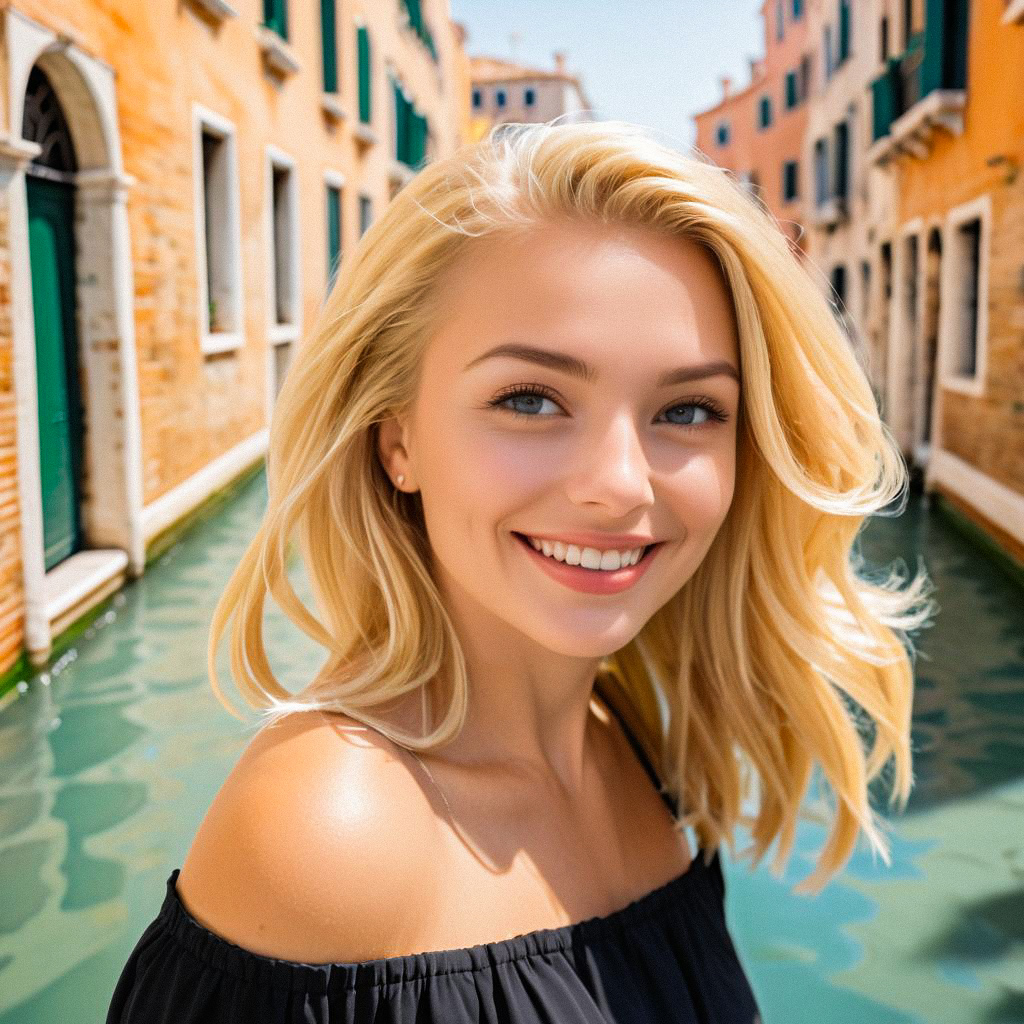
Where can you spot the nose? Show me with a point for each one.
(613, 471)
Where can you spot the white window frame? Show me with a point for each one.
(278, 334)
(218, 341)
(950, 323)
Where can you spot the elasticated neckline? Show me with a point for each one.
(672, 896)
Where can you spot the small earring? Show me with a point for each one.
(401, 479)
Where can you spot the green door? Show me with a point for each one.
(52, 255)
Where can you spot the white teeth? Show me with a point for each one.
(589, 558)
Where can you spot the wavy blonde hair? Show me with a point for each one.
(779, 653)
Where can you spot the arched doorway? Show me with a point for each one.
(49, 190)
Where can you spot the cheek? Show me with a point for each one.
(702, 492)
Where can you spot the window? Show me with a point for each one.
(805, 76)
(478, 99)
(837, 281)
(792, 92)
(826, 49)
(365, 214)
(275, 16)
(365, 78)
(217, 232)
(780, 27)
(821, 172)
(329, 40)
(790, 180)
(883, 39)
(865, 290)
(284, 244)
(722, 133)
(841, 181)
(908, 22)
(529, 97)
(334, 185)
(410, 129)
(967, 239)
(499, 98)
(798, 9)
(765, 112)
(844, 31)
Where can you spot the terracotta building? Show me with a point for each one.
(758, 131)
(948, 127)
(179, 181)
(849, 200)
(503, 90)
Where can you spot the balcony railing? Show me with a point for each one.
(930, 76)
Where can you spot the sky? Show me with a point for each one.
(654, 62)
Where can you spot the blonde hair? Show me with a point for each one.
(774, 656)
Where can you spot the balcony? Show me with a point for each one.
(923, 91)
(830, 212)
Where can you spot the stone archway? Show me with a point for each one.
(109, 501)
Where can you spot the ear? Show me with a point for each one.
(392, 449)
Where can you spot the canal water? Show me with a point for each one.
(109, 762)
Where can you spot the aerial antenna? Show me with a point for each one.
(514, 39)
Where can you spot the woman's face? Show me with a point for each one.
(582, 390)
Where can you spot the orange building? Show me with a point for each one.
(504, 90)
(758, 131)
(948, 127)
(179, 181)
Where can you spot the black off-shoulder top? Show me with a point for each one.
(666, 958)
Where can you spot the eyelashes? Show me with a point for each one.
(716, 414)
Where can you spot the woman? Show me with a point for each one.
(576, 458)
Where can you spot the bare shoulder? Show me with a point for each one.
(317, 846)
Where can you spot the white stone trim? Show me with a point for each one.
(995, 501)
(105, 298)
(278, 56)
(80, 582)
(216, 10)
(335, 178)
(217, 341)
(289, 331)
(981, 208)
(176, 503)
(1014, 12)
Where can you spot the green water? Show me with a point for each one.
(108, 764)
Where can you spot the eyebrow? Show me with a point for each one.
(583, 371)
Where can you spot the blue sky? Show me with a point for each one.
(655, 62)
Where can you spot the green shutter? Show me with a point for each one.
(945, 46)
(791, 89)
(333, 232)
(275, 16)
(329, 36)
(363, 50)
(844, 30)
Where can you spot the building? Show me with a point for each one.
(758, 131)
(179, 181)
(914, 140)
(948, 127)
(503, 90)
(849, 200)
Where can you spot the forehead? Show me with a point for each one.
(588, 288)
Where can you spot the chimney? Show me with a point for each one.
(560, 62)
(726, 86)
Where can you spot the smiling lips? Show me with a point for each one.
(589, 570)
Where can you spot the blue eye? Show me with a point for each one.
(532, 397)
